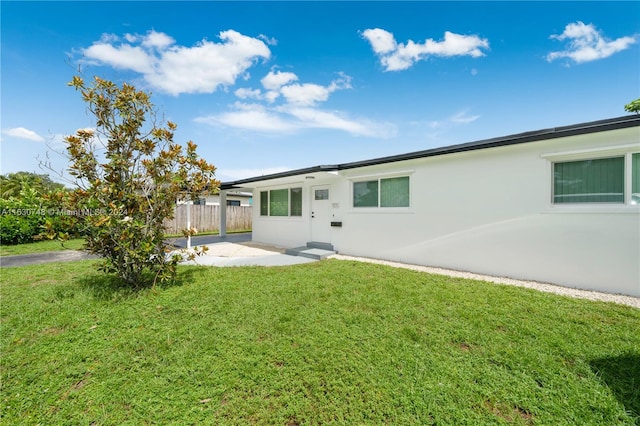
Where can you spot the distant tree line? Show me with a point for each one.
(32, 208)
(12, 184)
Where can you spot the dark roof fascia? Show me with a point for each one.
(534, 136)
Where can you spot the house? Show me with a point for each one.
(559, 205)
(244, 199)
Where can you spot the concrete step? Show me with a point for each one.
(312, 251)
(319, 245)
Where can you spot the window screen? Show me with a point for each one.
(279, 202)
(365, 194)
(296, 201)
(394, 192)
(264, 203)
(589, 181)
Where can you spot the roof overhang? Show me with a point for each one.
(534, 136)
(283, 178)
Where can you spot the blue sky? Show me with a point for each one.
(264, 87)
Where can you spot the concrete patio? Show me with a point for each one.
(243, 254)
(239, 250)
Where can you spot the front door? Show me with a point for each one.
(320, 214)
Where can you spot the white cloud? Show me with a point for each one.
(176, 69)
(269, 40)
(22, 133)
(381, 41)
(462, 118)
(305, 94)
(275, 80)
(459, 118)
(585, 43)
(291, 118)
(299, 109)
(122, 57)
(158, 40)
(316, 118)
(309, 94)
(244, 93)
(250, 117)
(397, 57)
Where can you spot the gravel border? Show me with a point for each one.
(548, 288)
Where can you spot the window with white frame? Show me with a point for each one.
(281, 202)
(597, 180)
(383, 192)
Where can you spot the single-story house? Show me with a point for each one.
(233, 198)
(559, 205)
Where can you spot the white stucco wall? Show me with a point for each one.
(281, 231)
(487, 211)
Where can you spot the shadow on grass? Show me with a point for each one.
(622, 375)
(104, 286)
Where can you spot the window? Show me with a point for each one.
(264, 203)
(589, 181)
(296, 202)
(604, 180)
(321, 194)
(391, 192)
(394, 192)
(365, 194)
(281, 202)
(235, 203)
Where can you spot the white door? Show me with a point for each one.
(320, 214)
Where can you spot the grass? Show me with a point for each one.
(329, 342)
(41, 246)
(75, 244)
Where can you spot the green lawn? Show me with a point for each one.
(75, 244)
(329, 342)
(41, 246)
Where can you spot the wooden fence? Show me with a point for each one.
(207, 218)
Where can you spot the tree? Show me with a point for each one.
(12, 184)
(633, 106)
(126, 192)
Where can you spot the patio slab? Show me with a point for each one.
(233, 254)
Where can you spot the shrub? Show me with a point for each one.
(20, 221)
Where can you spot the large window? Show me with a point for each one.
(389, 192)
(589, 181)
(598, 180)
(281, 202)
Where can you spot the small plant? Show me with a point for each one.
(125, 193)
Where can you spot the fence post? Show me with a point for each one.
(223, 213)
(189, 224)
